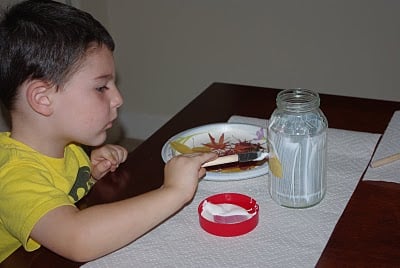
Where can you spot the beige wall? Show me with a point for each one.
(169, 51)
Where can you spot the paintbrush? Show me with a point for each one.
(239, 157)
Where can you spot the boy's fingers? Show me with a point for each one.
(118, 155)
(208, 157)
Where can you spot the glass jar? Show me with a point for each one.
(297, 143)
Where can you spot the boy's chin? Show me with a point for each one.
(100, 140)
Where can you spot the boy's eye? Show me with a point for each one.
(101, 89)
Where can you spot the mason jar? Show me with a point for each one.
(297, 143)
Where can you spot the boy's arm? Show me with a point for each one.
(93, 232)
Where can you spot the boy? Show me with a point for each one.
(57, 80)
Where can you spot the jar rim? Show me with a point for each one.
(298, 100)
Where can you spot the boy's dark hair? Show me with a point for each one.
(44, 40)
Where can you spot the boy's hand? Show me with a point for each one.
(182, 173)
(107, 158)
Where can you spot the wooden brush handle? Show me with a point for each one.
(222, 160)
(385, 160)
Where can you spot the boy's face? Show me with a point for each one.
(87, 105)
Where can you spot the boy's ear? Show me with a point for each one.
(39, 96)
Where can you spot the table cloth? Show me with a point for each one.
(284, 237)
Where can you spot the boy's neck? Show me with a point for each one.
(38, 137)
(43, 146)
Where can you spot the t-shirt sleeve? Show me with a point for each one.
(27, 194)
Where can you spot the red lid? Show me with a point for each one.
(230, 229)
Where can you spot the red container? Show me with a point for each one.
(230, 229)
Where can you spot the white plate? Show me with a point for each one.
(233, 133)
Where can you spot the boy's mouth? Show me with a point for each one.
(110, 124)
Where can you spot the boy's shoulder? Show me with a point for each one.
(10, 148)
(13, 151)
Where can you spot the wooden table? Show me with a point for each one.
(367, 234)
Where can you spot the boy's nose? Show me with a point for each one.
(116, 100)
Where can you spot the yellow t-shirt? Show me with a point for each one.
(32, 184)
